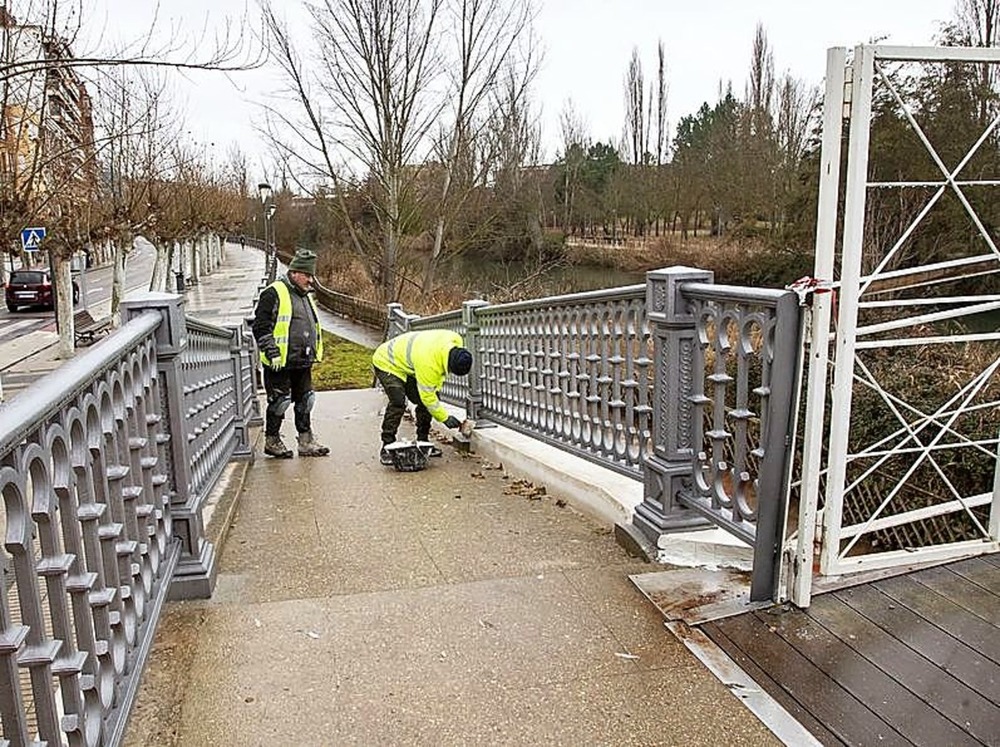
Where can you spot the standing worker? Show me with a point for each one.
(414, 366)
(286, 327)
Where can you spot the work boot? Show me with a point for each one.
(385, 458)
(274, 446)
(308, 446)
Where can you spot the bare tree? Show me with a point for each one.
(575, 142)
(62, 189)
(225, 48)
(636, 123)
(796, 111)
(756, 177)
(760, 92)
(661, 103)
(134, 117)
(490, 37)
(376, 63)
(977, 23)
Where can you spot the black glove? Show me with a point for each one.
(452, 422)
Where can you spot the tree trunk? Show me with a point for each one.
(119, 254)
(161, 267)
(62, 275)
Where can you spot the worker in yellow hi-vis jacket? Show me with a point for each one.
(286, 327)
(414, 366)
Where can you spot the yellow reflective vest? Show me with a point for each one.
(284, 323)
(423, 355)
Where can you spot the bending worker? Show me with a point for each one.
(414, 366)
(286, 327)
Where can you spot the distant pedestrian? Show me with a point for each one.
(414, 366)
(286, 327)
(243, 242)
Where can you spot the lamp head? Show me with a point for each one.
(264, 190)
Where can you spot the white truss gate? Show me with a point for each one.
(900, 450)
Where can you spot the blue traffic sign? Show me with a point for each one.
(31, 238)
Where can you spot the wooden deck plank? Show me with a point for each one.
(968, 595)
(992, 558)
(979, 571)
(957, 702)
(768, 684)
(950, 617)
(953, 656)
(849, 719)
(883, 695)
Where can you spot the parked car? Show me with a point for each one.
(33, 288)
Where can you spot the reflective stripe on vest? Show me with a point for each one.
(408, 362)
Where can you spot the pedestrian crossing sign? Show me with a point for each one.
(31, 238)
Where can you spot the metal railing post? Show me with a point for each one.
(398, 321)
(669, 466)
(474, 398)
(243, 450)
(255, 416)
(196, 570)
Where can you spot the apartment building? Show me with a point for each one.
(47, 136)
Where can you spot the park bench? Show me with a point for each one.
(86, 328)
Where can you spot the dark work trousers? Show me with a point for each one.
(289, 386)
(398, 391)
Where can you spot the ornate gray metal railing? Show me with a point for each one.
(210, 404)
(629, 377)
(723, 438)
(101, 519)
(85, 510)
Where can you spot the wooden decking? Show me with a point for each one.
(913, 659)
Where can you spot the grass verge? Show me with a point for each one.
(345, 365)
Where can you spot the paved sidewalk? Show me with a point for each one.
(455, 606)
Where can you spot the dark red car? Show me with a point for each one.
(33, 288)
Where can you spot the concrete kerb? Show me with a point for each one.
(605, 495)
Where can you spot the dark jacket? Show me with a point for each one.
(302, 330)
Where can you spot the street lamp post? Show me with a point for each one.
(264, 190)
(272, 269)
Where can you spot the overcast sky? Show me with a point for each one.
(587, 45)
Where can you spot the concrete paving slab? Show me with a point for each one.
(506, 662)
(610, 596)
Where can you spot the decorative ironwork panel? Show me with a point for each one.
(87, 555)
(741, 394)
(575, 371)
(210, 407)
